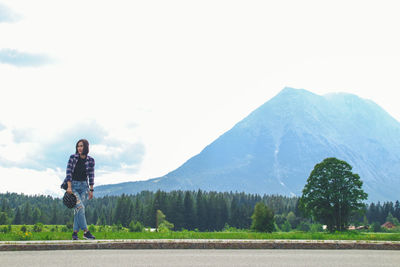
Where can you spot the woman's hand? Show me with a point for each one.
(69, 189)
(90, 195)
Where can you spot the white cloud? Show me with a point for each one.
(30, 181)
(7, 15)
(23, 59)
(182, 72)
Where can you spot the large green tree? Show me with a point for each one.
(332, 194)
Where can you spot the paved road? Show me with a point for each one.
(201, 258)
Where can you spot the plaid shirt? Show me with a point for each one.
(89, 163)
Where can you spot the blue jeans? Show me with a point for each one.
(80, 189)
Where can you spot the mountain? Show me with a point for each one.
(274, 149)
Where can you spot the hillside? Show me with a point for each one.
(274, 149)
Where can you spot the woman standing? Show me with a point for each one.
(80, 171)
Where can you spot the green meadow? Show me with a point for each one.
(61, 232)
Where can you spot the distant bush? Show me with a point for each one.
(69, 225)
(92, 228)
(105, 228)
(38, 227)
(116, 228)
(228, 228)
(286, 226)
(262, 218)
(4, 229)
(316, 227)
(165, 226)
(303, 226)
(375, 227)
(292, 219)
(279, 219)
(135, 227)
(23, 228)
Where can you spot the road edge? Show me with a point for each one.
(196, 244)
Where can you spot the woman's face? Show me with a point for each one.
(80, 148)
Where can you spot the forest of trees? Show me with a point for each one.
(205, 211)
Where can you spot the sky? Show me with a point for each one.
(151, 83)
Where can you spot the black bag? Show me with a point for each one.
(69, 200)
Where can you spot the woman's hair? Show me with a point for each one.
(85, 146)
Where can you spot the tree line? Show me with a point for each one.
(205, 211)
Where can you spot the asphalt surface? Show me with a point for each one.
(204, 257)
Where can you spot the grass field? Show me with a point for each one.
(59, 232)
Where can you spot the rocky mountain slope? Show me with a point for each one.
(274, 149)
